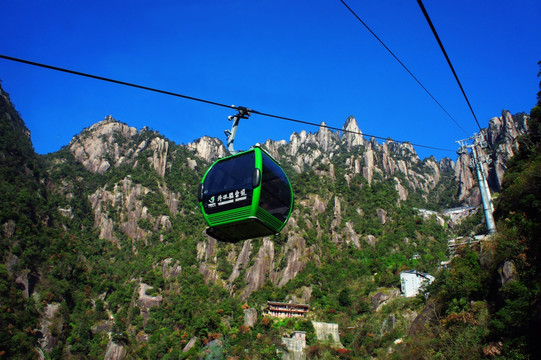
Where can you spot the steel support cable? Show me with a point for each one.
(425, 13)
(404, 66)
(112, 81)
(96, 77)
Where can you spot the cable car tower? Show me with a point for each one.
(475, 143)
(245, 195)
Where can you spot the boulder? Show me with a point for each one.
(250, 317)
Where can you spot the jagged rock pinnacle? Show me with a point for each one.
(353, 135)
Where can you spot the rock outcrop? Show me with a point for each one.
(110, 143)
(123, 206)
(49, 324)
(507, 272)
(101, 146)
(296, 251)
(115, 351)
(501, 145)
(327, 332)
(501, 136)
(208, 148)
(352, 134)
(170, 269)
(145, 302)
(250, 317)
(295, 345)
(263, 264)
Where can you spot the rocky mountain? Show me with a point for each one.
(111, 144)
(106, 257)
(501, 144)
(391, 160)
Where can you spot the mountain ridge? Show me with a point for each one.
(388, 158)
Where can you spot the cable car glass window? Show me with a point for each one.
(228, 184)
(275, 190)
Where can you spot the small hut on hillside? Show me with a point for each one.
(280, 309)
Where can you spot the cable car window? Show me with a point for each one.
(275, 190)
(228, 184)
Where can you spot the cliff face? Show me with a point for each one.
(112, 143)
(119, 208)
(208, 148)
(122, 207)
(104, 145)
(500, 137)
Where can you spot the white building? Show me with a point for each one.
(411, 281)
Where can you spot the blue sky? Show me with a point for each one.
(309, 60)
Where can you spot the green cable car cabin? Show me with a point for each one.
(245, 196)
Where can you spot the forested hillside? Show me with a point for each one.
(488, 304)
(104, 253)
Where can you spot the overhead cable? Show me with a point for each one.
(404, 66)
(205, 101)
(446, 57)
(111, 80)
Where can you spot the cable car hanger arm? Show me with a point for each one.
(243, 113)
